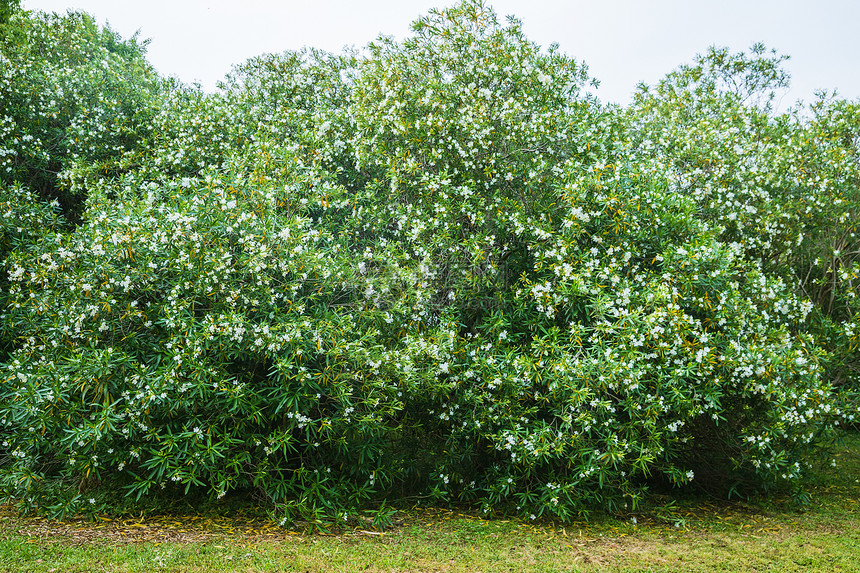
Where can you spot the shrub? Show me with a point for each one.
(70, 93)
(782, 187)
(204, 341)
(436, 270)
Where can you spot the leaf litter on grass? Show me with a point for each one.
(676, 535)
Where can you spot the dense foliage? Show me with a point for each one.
(71, 93)
(786, 188)
(435, 268)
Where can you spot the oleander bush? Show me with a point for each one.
(436, 268)
(71, 94)
(785, 188)
(23, 221)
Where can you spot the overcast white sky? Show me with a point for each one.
(622, 41)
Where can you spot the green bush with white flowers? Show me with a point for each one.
(432, 269)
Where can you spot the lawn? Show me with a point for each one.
(684, 535)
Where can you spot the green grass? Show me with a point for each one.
(687, 535)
